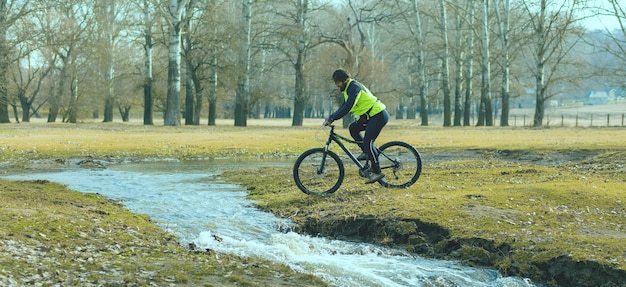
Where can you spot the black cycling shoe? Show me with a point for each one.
(374, 177)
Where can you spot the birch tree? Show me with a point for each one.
(445, 73)
(485, 115)
(172, 108)
(148, 101)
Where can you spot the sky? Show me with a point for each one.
(601, 23)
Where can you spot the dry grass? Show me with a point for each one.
(555, 190)
(275, 137)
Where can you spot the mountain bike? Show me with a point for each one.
(321, 171)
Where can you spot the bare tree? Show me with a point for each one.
(617, 44)
(243, 82)
(469, 64)
(418, 33)
(445, 73)
(64, 25)
(106, 14)
(552, 25)
(10, 12)
(485, 115)
(459, 61)
(148, 100)
(28, 81)
(175, 9)
(503, 25)
(300, 98)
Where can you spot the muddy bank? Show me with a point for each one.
(433, 241)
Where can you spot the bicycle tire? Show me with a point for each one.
(401, 163)
(309, 178)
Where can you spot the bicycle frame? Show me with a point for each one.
(337, 138)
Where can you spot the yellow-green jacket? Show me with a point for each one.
(358, 100)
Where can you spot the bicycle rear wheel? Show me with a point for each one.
(318, 172)
(401, 163)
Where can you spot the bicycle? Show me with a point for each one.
(321, 171)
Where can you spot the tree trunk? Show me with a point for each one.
(213, 88)
(467, 101)
(421, 67)
(485, 116)
(445, 74)
(504, 36)
(172, 105)
(109, 72)
(189, 95)
(26, 106)
(300, 99)
(243, 84)
(458, 83)
(540, 72)
(56, 96)
(4, 64)
(199, 91)
(73, 107)
(148, 102)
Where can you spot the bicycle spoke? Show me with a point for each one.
(400, 163)
(313, 178)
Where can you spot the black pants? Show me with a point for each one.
(372, 129)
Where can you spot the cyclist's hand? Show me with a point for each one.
(328, 122)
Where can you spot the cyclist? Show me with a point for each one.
(372, 115)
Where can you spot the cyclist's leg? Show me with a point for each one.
(355, 131)
(372, 130)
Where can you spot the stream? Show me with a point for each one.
(188, 199)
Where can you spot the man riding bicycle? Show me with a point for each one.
(372, 115)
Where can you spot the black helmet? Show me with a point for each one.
(340, 75)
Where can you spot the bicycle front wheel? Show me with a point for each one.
(401, 163)
(318, 172)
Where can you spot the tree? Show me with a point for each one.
(174, 17)
(28, 81)
(552, 25)
(148, 100)
(503, 25)
(418, 34)
(243, 82)
(616, 46)
(459, 60)
(106, 12)
(445, 73)
(469, 66)
(300, 98)
(64, 26)
(485, 115)
(10, 12)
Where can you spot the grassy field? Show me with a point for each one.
(545, 193)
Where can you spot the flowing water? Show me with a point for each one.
(188, 200)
